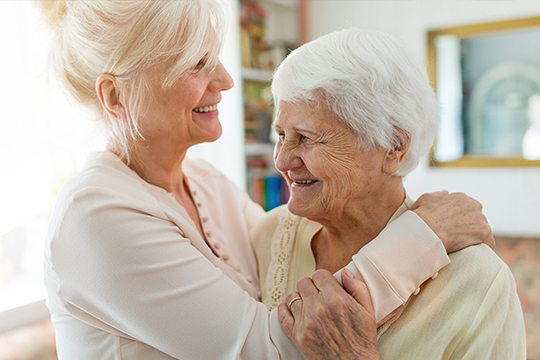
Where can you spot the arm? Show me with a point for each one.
(404, 255)
(408, 252)
(125, 268)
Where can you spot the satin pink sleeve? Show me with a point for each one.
(403, 256)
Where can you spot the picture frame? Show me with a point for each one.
(487, 79)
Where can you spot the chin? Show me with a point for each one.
(214, 135)
(296, 207)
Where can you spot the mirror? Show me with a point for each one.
(487, 79)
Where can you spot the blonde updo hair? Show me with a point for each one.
(124, 39)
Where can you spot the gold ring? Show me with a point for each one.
(293, 300)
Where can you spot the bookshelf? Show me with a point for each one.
(269, 30)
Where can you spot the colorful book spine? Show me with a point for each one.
(266, 187)
(272, 191)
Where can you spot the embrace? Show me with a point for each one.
(151, 255)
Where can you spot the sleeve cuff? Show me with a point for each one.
(402, 257)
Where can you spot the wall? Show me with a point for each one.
(511, 195)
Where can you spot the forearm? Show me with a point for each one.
(404, 255)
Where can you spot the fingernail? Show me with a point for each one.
(347, 273)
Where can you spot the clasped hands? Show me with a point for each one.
(327, 321)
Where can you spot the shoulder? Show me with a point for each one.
(474, 273)
(103, 180)
(104, 193)
(475, 263)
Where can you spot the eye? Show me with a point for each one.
(306, 140)
(201, 64)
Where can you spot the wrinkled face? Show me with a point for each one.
(186, 113)
(320, 157)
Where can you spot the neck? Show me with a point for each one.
(164, 169)
(344, 235)
(158, 167)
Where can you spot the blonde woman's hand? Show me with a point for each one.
(456, 218)
(326, 322)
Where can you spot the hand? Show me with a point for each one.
(329, 323)
(456, 219)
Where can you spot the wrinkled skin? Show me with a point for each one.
(456, 219)
(328, 323)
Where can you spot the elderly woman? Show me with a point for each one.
(355, 113)
(148, 254)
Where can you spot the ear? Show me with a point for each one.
(109, 95)
(394, 158)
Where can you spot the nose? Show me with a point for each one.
(287, 157)
(222, 79)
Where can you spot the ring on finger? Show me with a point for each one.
(293, 300)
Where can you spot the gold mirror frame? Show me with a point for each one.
(469, 31)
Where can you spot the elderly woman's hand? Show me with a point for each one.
(326, 322)
(456, 219)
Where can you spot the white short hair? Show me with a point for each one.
(124, 39)
(372, 82)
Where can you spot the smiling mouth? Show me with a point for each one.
(306, 182)
(205, 109)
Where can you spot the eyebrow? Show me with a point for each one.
(297, 129)
(304, 130)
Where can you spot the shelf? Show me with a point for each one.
(269, 29)
(257, 75)
(257, 148)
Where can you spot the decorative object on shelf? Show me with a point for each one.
(257, 52)
(252, 33)
(258, 111)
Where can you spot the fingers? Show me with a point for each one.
(428, 197)
(307, 288)
(286, 319)
(357, 289)
(325, 281)
(291, 299)
(288, 310)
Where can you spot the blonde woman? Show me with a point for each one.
(148, 254)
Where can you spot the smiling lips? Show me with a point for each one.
(205, 109)
(305, 182)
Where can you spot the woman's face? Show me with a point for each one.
(186, 113)
(320, 157)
